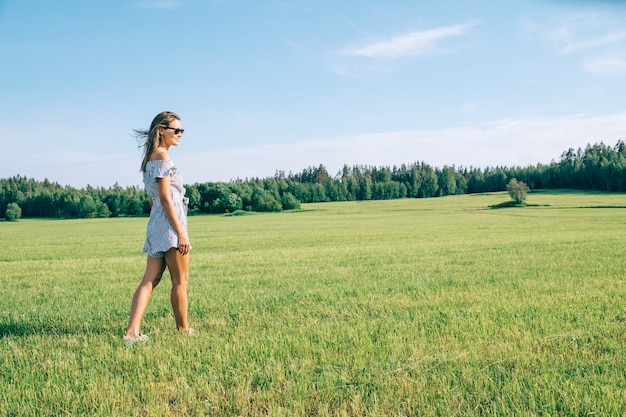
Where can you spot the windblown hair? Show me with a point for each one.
(150, 139)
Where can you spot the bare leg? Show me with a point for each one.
(151, 278)
(178, 266)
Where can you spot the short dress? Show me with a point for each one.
(160, 235)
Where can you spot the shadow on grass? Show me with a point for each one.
(252, 213)
(513, 204)
(239, 213)
(10, 327)
(602, 207)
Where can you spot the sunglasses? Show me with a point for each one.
(176, 131)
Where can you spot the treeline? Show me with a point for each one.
(597, 167)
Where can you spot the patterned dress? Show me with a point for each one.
(160, 235)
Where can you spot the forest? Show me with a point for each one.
(598, 167)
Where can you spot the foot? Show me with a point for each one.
(139, 338)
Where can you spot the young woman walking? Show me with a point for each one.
(167, 242)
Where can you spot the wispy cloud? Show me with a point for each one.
(598, 39)
(409, 44)
(607, 66)
(567, 43)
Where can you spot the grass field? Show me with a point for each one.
(415, 307)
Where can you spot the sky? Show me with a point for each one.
(267, 86)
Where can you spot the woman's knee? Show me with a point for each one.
(179, 279)
(154, 272)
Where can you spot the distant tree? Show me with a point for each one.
(318, 193)
(13, 213)
(134, 206)
(415, 181)
(103, 211)
(365, 190)
(333, 191)
(447, 180)
(86, 207)
(263, 200)
(194, 198)
(429, 184)
(290, 202)
(517, 190)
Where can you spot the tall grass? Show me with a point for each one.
(395, 308)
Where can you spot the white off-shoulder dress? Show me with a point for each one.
(160, 235)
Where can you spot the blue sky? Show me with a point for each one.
(282, 85)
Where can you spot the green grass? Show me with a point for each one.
(384, 308)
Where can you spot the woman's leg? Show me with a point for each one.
(178, 265)
(151, 278)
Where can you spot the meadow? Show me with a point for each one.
(413, 307)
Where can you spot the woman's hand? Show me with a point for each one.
(183, 244)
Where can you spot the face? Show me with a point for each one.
(171, 136)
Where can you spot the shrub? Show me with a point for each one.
(262, 200)
(13, 212)
(290, 202)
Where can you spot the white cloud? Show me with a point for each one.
(566, 42)
(409, 44)
(519, 142)
(607, 66)
(501, 143)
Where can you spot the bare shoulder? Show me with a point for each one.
(159, 155)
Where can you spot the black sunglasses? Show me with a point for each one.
(177, 131)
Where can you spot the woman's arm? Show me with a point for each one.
(165, 198)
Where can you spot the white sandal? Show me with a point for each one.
(140, 338)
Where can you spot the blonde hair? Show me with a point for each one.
(150, 139)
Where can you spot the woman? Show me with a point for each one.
(167, 243)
